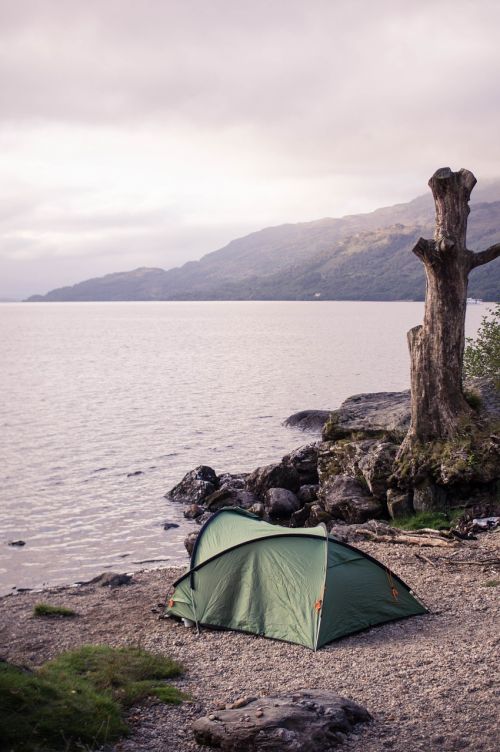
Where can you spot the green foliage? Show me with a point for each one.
(434, 520)
(45, 609)
(491, 583)
(482, 355)
(77, 699)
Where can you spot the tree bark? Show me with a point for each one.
(437, 347)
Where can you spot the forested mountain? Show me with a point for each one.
(358, 257)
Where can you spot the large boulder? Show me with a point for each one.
(372, 415)
(305, 461)
(279, 475)
(308, 420)
(345, 498)
(280, 503)
(308, 720)
(195, 486)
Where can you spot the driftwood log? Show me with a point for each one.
(381, 533)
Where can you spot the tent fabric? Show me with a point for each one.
(294, 584)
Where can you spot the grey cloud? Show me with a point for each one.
(368, 97)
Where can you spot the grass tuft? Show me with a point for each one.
(45, 609)
(491, 583)
(434, 520)
(77, 699)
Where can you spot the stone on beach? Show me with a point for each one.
(306, 721)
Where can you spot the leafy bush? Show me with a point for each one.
(77, 699)
(482, 355)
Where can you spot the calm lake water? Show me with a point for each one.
(93, 393)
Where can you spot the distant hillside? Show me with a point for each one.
(359, 257)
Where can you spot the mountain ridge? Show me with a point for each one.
(356, 257)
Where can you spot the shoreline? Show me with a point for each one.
(408, 674)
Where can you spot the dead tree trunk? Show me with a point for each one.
(437, 347)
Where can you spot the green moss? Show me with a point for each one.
(491, 583)
(77, 700)
(469, 457)
(45, 609)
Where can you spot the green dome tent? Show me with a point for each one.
(295, 584)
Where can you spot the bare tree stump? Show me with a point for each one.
(437, 347)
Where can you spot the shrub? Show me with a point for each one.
(482, 355)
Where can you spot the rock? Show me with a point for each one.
(230, 497)
(280, 475)
(133, 474)
(258, 509)
(345, 498)
(232, 480)
(372, 415)
(308, 420)
(371, 459)
(193, 511)
(195, 486)
(189, 542)
(376, 465)
(241, 702)
(301, 517)
(399, 503)
(111, 579)
(305, 461)
(428, 496)
(279, 502)
(170, 525)
(19, 543)
(309, 721)
(318, 515)
(308, 493)
(489, 395)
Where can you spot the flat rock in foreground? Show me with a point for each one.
(305, 721)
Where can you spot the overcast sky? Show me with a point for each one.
(149, 132)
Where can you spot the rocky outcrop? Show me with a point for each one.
(195, 486)
(374, 415)
(369, 459)
(308, 420)
(345, 498)
(307, 720)
(350, 476)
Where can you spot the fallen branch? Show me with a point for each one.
(417, 540)
(470, 562)
(426, 559)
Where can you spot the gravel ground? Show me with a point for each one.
(430, 682)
